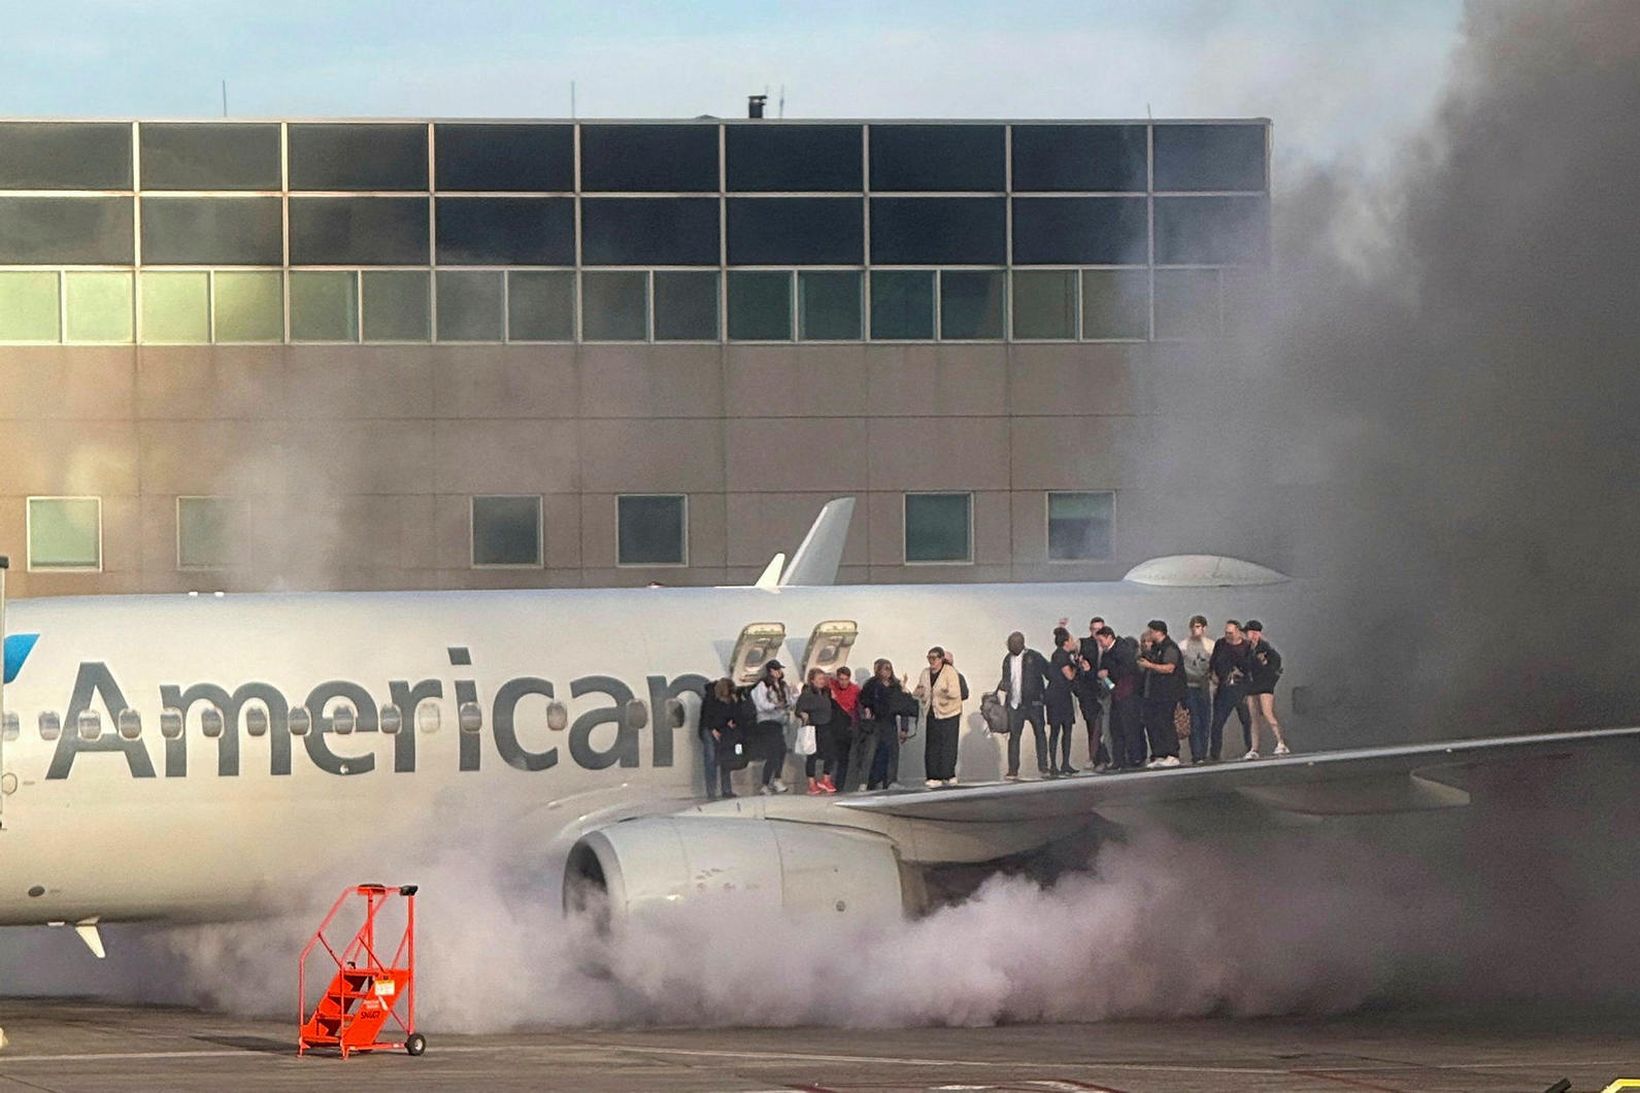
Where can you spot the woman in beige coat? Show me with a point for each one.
(940, 691)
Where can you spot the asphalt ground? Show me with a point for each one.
(83, 1046)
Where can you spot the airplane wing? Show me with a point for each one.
(1363, 781)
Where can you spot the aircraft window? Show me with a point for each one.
(757, 643)
(90, 726)
(170, 723)
(51, 726)
(676, 715)
(637, 714)
(341, 722)
(557, 717)
(210, 722)
(256, 721)
(470, 717)
(391, 719)
(298, 721)
(428, 717)
(129, 724)
(9, 726)
(829, 645)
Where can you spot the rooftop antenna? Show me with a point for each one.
(781, 110)
(572, 100)
(224, 98)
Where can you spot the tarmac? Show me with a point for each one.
(82, 1046)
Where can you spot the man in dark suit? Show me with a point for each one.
(1024, 682)
(1091, 696)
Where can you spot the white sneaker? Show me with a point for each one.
(778, 786)
(932, 782)
(1251, 755)
(1283, 749)
(950, 781)
(765, 791)
(1166, 761)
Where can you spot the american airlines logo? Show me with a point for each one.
(336, 707)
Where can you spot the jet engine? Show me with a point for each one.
(660, 861)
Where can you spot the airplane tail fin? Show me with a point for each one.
(770, 578)
(816, 561)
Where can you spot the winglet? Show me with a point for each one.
(771, 573)
(816, 561)
(92, 938)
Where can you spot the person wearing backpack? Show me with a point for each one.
(940, 692)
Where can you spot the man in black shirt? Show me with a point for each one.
(1091, 697)
(1164, 687)
(1228, 668)
(1118, 659)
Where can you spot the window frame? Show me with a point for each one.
(905, 527)
(540, 532)
(1047, 525)
(28, 533)
(683, 527)
(181, 567)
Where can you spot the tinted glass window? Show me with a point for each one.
(66, 230)
(938, 230)
(504, 157)
(249, 306)
(1045, 303)
(651, 530)
(774, 231)
(1187, 303)
(395, 305)
(357, 157)
(937, 527)
(971, 304)
(65, 156)
(828, 305)
(1079, 526)
(209, 157)
(203, 526)
(540, 305)
(936, 157)
(902, 305)
(64, 533)
(1212, 230)
(223, 231)
(522, 231)
(324, 306)
(1066, 230)
(615, 306)
(506, 531)
(30, 306)
(686, 306)
(1079, 157)
(370, 231)
(1209, 157)
(780, 157)
(99, 306)
(1115, 303)
(649, 158)
(176, 308)
(760, 305)
(469, 306)
(654, 231)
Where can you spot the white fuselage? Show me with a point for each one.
(115, 829)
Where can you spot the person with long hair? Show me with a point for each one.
(1059, 698)
(881, 698)
(772, 700)
(940, 691)
(814, 709)
(719, 736)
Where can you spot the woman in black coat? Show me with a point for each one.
(882, 700)
(720, 735)
(1060, 700)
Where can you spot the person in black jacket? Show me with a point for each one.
(1118, 667)
(883, 701)
(720, 735)
(1264, 669)
(1059, 700)
(1021, 690)
(1162, 665)
(1229, 668)
(1091, 696)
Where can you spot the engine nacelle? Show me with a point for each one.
(658, 861)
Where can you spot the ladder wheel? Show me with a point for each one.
(416, 1044)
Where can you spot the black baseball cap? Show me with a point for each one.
(1253, 624)
(775, 664)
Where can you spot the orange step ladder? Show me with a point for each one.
(367, 997)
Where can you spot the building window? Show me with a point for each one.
(760, 306)
(203, 532)
(469, 306)
(30, 306)
(1187, 303)
(1045, 304)
(506, 531)
(324, 306)
(828, 305)
(902, 305)
(652, 529)
(1079, 526)
(939, 527)
(176, 308)
(971, 305)
(615, 306)
(686, 306)
(99, 306)
(65, 533)
(248, 306)
(1115, 304)
(541, 305)
(395, 305)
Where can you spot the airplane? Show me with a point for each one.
(198, 758)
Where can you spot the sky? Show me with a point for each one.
(1339, 78)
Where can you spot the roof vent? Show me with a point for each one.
(1202, 571)
(754, 105)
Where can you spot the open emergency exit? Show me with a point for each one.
(829, 646)
(756, 646)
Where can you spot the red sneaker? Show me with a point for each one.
(827, 785)
(814, 788)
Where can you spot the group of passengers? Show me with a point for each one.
(1139, 699)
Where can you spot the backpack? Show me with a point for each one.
(962, 683)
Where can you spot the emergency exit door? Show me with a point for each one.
(829, 646)
(756, 646)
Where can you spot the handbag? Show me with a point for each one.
(807, 741)
(994, 713)
(1181, 722)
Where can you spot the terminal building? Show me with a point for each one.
(456, 354)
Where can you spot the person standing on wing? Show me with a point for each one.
(1162, 665)
(1059, 700)
(772, 700)
(1024, 681)
(940, 691)
(1264, 669)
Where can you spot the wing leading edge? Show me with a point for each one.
(1363, 781)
